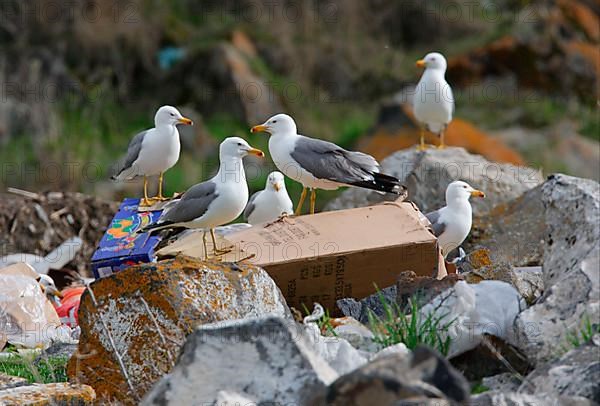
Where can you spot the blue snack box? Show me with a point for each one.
(120, 246)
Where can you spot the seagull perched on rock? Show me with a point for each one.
(319, 164)
(433, 102)
(452, 223)
(154, 151)
(215, 202)
(270, 203)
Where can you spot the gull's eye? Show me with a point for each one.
(433, 59)
(239, 144)
(464, 187)
(274, 121)
(172, 114)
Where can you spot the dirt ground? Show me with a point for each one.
(37, 223)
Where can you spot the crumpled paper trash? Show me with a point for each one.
(27, 318)
(57, 259)
(489, 307)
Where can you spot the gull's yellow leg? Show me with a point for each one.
(301, 202)
(146, 200)
(313, 200)
(422, 146)
(160, 196)
(205, 247)
(442, 144)
(217, 251)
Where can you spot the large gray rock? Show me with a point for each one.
(514, 232)
(136, 321)
(265, 360)
(427, 174)
(501, 398)
(577, 373)
(571, 269)
(395, 379)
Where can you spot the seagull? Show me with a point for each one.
(452, 223)
(215, 202)
(433, 102)
(154, 151)
(270, 203)
(319, 164)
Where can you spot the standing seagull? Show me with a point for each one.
(215, 202)
(452, 223)
(154, 151)
(270, 203)
(433, 102)
(319, 164)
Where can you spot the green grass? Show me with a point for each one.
(478, 388)
(53, 369)
(411, 328)
(583, 334)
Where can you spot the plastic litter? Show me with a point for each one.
(488, 307)
(57, 259)
(27, 318)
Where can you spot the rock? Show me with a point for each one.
(396, 129)
(359, 309)
(512, 231)
(396, 349)
(424, 288)
(571, 269)
(149, 310)
(354, 332)
(268, 360)
(501, 398)
(527, 280)
(393, 378)
(505, 382)
(7, 381)
(576, 373)
(48, 394)
(427, 174)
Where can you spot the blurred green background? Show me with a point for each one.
(79, 79)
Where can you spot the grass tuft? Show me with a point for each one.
(52, 369)
(583, 334)
(411, 328)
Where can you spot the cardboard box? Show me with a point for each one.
(333, 255)
(120, 246)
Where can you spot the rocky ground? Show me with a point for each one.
(525, 311)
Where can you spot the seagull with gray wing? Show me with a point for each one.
(319, 164)
(217, 201)
(269, 204)
(154, 151)
(452, 223)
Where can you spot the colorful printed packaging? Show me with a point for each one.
(121, 246)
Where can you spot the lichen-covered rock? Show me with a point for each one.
(513, 232)
(527, 280)
(134, 325)
(8, 381)
(48, 394)
(503, 398)
(267, 360)
(394, 379)
(577, 373)
(571, 269)
(427, 174)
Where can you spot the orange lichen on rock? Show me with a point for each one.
(48, 394)
(583, 17)
(143, 314)
(460, 133)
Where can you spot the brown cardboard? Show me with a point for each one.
(333, 255)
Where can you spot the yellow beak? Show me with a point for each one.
(421, 63)
(477, 193)
(259, 129)
(276, 187)
(185, 121)
(256, 152)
